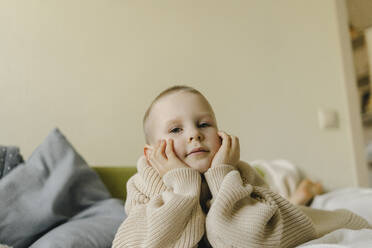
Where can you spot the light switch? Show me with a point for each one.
(328, 118)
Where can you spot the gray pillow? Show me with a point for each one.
(9, 159)
(56, 200)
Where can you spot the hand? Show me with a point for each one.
(163, 158)
(229, 152)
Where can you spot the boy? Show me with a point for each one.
(191, 190)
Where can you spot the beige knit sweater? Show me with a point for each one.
(242, 212)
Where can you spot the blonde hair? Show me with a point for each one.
(164, 93)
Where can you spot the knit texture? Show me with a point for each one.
(243, 211)
(162, 213)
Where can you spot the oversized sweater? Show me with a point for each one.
(240, 211)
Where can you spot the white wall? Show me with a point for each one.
(92, 67)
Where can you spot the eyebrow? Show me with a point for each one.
(173, 121)
(178, 119)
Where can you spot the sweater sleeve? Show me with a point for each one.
(327, 221)
(246, 213)
(169, 218)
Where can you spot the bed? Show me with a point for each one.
(357, 200)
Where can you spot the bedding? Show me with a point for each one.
(283, 176)
(342, 238)
(55, 199)
(357, 200)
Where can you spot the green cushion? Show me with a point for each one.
(115, 179)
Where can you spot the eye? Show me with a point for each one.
(204, 124)
(175, 130)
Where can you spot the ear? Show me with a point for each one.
(147, 151)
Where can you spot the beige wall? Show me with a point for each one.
(91, 68)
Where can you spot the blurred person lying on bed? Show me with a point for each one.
(284, 178)
(192, 190)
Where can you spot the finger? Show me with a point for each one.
(159, 150)
(169, 148)
(226, 139)
(238, 143)
(156, 156)
(156, 161)
(229, 141)
(223, 137)
(156, 148)
(160, 156)
(238, 146)
(162, 149)
(235, 146)
(224, 148)
(158, 144)
(233, 143)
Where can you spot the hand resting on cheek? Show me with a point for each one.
(163, 157)
(229, 152)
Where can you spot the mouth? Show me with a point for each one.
(199, 150)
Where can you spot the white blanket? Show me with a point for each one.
(357, 200)
(343, 238)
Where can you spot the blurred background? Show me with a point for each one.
(360, 26)
(289, 77)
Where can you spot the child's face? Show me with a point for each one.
(189, 120)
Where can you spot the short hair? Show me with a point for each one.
(164, 93)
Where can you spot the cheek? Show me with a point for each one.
(215, 142)
(179, 148)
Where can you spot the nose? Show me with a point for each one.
(195, 135)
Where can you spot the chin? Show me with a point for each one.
(200, 165)
(202, 170)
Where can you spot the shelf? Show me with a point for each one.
(367, 119)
